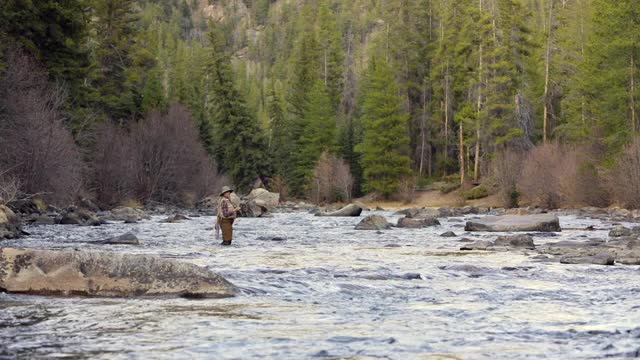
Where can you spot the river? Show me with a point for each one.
(329, 291)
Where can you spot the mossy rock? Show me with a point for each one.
(477, 192)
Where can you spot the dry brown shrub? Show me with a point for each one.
(540, 182)
(506, 170)
(624, 177)
(589, 188)
(35, 147)
(406, 189)
(332, 180)
(115, 165)
(161, 159)
(9, 189)
(557, 175)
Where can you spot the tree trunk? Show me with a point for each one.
(632, 91)
(446, 114)
(423, 128)
(476, 160)
(461, 154)
(547, 61)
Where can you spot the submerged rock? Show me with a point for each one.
(417, 223)
(349, 210)
(477, 245)
(175, 218)
(124, 239)
(48, 272)
(373, 222)
(619, 231)
(539, 222)
(600, 259)
(448, 234)
(515, 241)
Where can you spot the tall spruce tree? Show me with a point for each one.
(319, 134)
(239, 147)
(115, 32)
(385, 143)
(613, 67)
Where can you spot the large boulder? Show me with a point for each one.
(74, 216)
(538, 222)
(373, 222)
(48, 272)
(253, 208)
(10, 227)
(269, 199)
(349, 210)
(417, 223)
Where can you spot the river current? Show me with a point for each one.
(313, 287)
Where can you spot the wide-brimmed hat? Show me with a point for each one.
(225, 189)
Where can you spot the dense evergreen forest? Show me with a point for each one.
(164, 100)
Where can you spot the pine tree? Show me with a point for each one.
(318, 136)
(384, 148)
(613, 69)
(115, 31)
(153, 92)
(239, 146)
(279, 144)
(332, 54)
(55, 32)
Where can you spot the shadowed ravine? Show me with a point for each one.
(330, 291)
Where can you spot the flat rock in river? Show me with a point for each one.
(538, 222)
(349, 210)
(48, 272)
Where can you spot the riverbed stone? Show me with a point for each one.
(477, 245)
(417, 223)
(373, 222)
(176, 218)
(448, 234)
(65, 273)
(348, 210)
(127, 213)
(599, 259)
(515, 241)
(618, 231)
(128, 238)
(506, 223)
(44, 220)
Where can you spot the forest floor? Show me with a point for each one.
(433, 198)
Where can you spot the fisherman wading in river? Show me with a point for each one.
(227, 212)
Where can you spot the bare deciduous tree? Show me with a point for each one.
(332, 180)
(160, 159)
(35, 147)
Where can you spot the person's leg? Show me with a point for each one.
(226, 226)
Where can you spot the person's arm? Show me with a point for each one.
(227, 211)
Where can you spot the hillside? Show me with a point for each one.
(323, 99)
